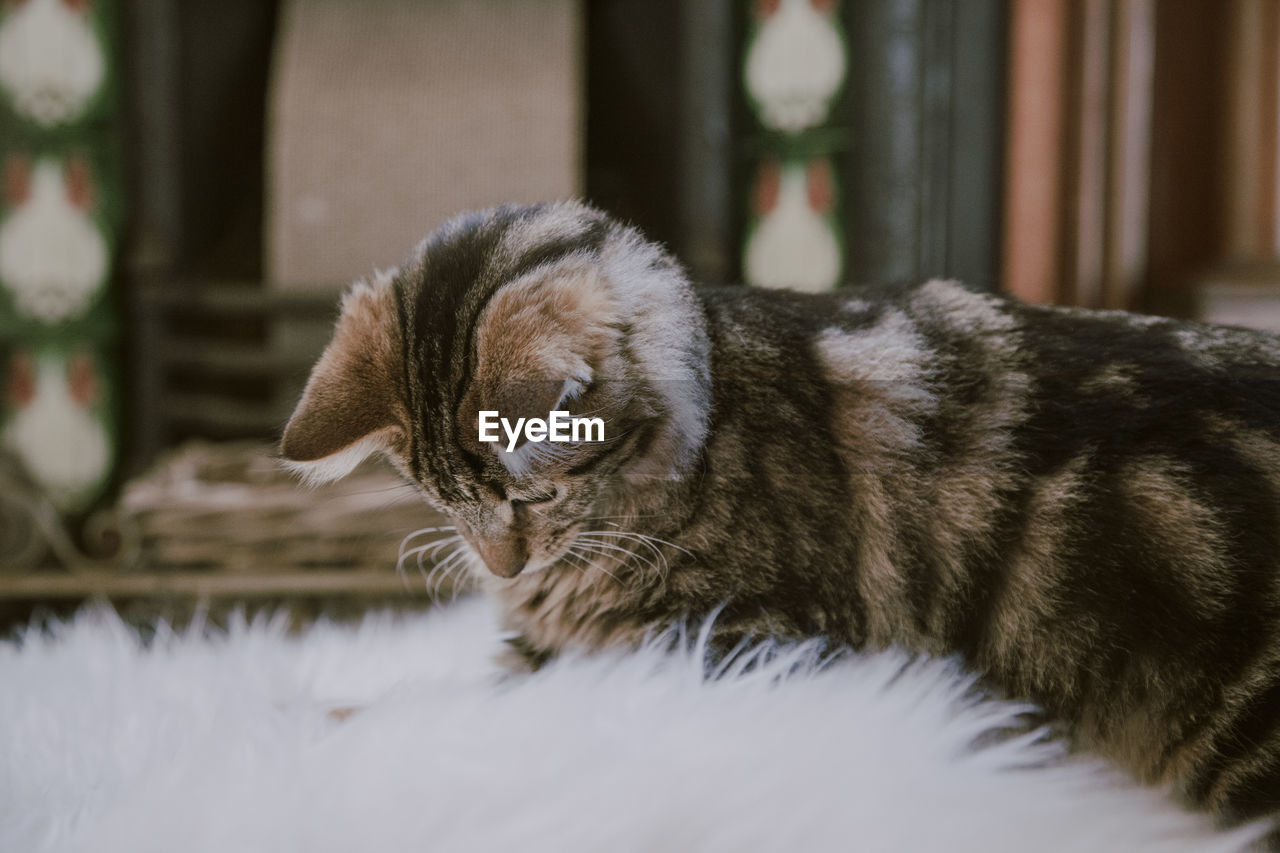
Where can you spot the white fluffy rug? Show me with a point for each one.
(213, 741)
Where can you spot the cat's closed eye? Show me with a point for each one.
(539, 496)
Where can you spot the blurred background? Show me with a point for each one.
(188, 186)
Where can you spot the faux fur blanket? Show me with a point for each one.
(226, 741)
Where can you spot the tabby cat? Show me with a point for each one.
(1085, 506)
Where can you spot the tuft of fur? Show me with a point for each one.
(1085, 506)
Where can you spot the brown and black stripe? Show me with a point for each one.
(1084, 505)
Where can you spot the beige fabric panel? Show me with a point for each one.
(388, 116)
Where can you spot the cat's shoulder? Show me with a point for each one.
(859, 306)
(958, 307)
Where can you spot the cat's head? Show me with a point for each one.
(520, 311)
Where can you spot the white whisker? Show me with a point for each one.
(592, 563)
(431, 576)
(597, 545)
(603, 543)
(434, 549)
(580, 562)
(606, 517)
(404, 543)
(595, 550)
(640, 537)
(444, 568)
(464, 575)
(430, 549)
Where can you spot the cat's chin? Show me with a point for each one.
(536, 569)
(487, 576)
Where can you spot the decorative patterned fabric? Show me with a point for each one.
(59, 227)
(793, 73)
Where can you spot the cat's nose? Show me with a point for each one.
(505, 557)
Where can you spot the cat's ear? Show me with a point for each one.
(542, 339)
(353, 404)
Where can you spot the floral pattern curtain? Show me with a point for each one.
(794, 68)
(60, 216)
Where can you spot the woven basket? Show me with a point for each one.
(232, 508)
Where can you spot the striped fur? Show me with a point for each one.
(1084, 505)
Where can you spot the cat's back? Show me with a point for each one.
(1085, 504)
(940, 332)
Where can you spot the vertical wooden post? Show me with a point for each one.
(1033, 247)
(1129, 158)
(1251, 148)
